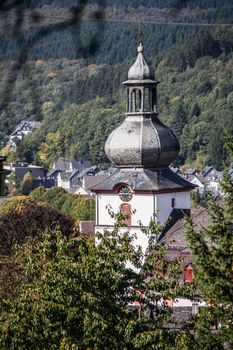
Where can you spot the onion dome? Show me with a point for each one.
(140, 69)
(142, 141)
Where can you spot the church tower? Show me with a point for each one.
(141, 148)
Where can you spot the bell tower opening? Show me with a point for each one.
(135, 101)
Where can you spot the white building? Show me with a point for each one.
(22, 129)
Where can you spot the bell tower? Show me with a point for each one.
(142, 140)
(141, 87)
(141, 149)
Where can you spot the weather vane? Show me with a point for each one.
(140, 30)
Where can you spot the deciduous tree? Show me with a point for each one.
(83, 295)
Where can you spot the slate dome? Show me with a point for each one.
(142, 140)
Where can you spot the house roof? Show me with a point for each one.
(207, 169)
(90, 181)
(189, 171)
(87, 227)
(53, 171)
(174, 231)
(26, 123)
(36, 171)
(142, 179)
(34, 124)
(93, 169)
(72, 164)
(15, 139)
(210, 172)
(47, 183)
(65, 176)
(198, 177)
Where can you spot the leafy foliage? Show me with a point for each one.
(21, 217)
(77, 207)
(78, 96)
(29, 184)
(80, 293)
(212, 247)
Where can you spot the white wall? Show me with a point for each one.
(63, 184)
(164, 204)
(214, 186)
(143, 205)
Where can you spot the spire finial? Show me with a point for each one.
(140, 47)
(141, 34)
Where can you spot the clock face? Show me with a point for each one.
(125, 194)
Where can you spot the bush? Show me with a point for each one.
(21, 217)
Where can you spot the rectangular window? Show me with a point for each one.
(173, 203)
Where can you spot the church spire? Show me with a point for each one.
(140, 70)
(141, 140)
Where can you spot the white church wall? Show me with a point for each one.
(104, 202)
(142, 205)
(141, 240)
(164, 204)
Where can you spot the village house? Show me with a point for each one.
(19, 169)
(23, 128)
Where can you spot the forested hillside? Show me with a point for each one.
(70, 78)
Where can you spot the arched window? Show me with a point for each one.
(188, 273)
(147, 100)
(136, 101)
(126, 210)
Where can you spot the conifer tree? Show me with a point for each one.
(29, 184)
(212, 247)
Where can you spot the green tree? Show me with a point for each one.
(38, 193)
(216, 152)
(80, 293)
(212, 247)
(29, 184)
(55, 196)
(96, 146)
(179, 119)
(77, 207)
(21, 217)
(84, 208)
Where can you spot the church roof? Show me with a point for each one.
(142, 141)
(140, 70)
(143, 179)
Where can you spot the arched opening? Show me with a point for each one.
(147, 100)
(154, 100)
(188, 273)
(136, 101)
(126, 210)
